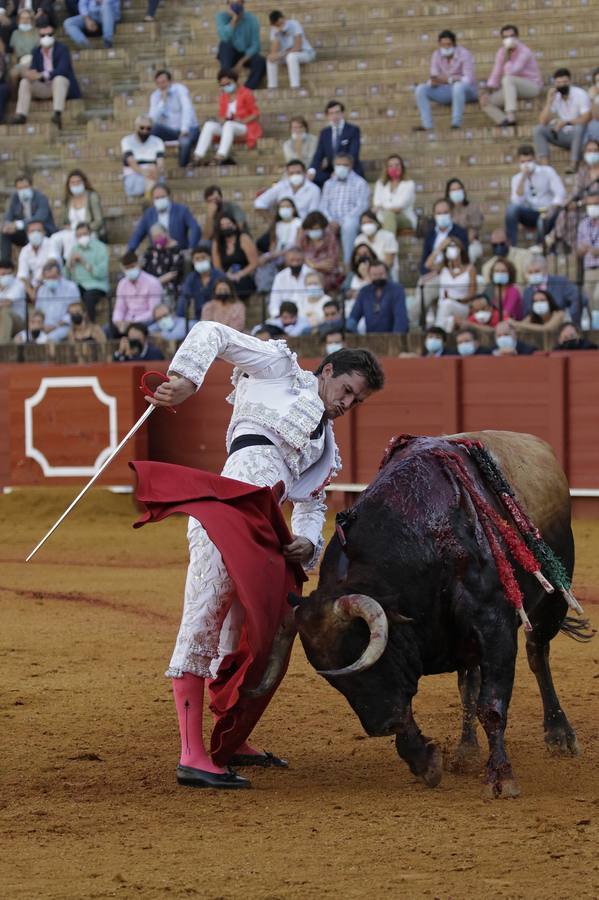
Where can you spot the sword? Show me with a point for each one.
(145, 390)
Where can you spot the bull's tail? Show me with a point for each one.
(578, 629)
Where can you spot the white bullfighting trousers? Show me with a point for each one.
(212, 615)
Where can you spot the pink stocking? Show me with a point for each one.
(189, 700)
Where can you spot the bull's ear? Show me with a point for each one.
(293, 599)
(389, 604)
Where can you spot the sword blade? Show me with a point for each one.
(104, 466)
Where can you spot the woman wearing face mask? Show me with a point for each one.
(82, 330)
(566, 226)
(593, 92)
(312, 309)
(238, 120)
(457, 284)
(383, 243)
(544, 316)
(503, 290)
(467, 215)
(300, 144)
(198, 286)
(164, 260)
(483, 314)
(81, 204)
(272, 244)
(319, 242)
(21, 44)
(224, 306)
(235, 253)
(394, 197)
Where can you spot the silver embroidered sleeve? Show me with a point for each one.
(307, 520)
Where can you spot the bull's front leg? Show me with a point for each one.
(422, 755)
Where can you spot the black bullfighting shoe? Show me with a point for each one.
(198, 778)
(264, 760)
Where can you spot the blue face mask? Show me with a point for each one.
(228, 88)
(505, 342)
(500, 277)
(433, 345)
(466, 348)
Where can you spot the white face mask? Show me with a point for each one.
(6, 280)
(593, 210)
(83, 240)
(457, 196)
(132, 274)
(452, 252)
(528, 167)
(314, 290)
(505, 342)
(500, 278)
(510, 42)
(540, 307)
(433, 344)
(447, 51)
(35, 238)
(203, 265)
(286, 213)
(161, 204)
(47, 41)
(296, 180)
(25, 26)
(342, 172)
(591, 158)
(466, 348)
(443, 220)
(166, 323)
(228, 88)
(332, 348)
(25, 194)
(483, 316)
(536, 278)
(77, 189)
(369, 228)
(314, 234)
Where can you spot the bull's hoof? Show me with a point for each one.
(562, 742)
(434, 771)
(465, 759)
(501, 789)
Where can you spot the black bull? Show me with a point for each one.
(414, 546)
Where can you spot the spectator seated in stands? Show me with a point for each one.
(467, 215)
(54, 297)
(199, 285)
(305, 194)
(167, 325)
(95, 18)
(289, 320)
(593, 126)
(239, 37)
(587, 248)
(238, 120)
(383, 243)
(21, 44)
(468, 344)
(394, 196)
(290, 282)
(82, 330)
(382, 304)
(359, 271)
(267, 332)
(339, 136)
(4, 81)
(34, 255)
(300, 144)
(164, 259)
(504, 293)
(37, 334)
(507, 343)
(235, 253)
(563, 291)
(215, 204)
(457, 285)
(172, 114)
(12, 302)
(563, 119)
(137, 294)
(437, 235)
(315, 300)
(283, 233)
(288, 44)
(50, 76)
(515, 75)
(545, 314)
(344, 198)
(517, 256)
(134, 345)
(150, 15)
(87, 265)
(537, 197)
(569, 337)
(587, 177)
(435, 342)
(26, 203)
(483, 314)
(452, 82)
(81, 204)
(224, 307)
(318, 241)
(176, 218)
(332, 318)
(143, 159)
(333, 340)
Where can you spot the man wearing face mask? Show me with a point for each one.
(338, 136)
(12, 302)
(587, 247)
(290, 282)
(440, 231)
(137, 294)
(93, 18)
(177, 218)
(520, 257)
(143, 159)
(166, 325)
(563, 119)
(54, 296)
(537, 196)
(239, 36)
(435, 343)
(467, 343)
(452, 82)
(507, 343)
(87, 265)
(569, 337)
(564, 292)
(345, 196)
(198, 286)
(51, 76)
(25, 204)
(515, 75)
(134, 346)
(382, 304)
(288, 44)
(304, 193)
(289, 320)
(173, 115)
(34, 255)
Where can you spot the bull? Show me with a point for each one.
(410, 587)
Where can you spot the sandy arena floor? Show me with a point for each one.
(89, 807)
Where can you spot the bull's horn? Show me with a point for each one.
(360, 606)
(281, 646)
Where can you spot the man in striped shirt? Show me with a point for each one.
(344, 198)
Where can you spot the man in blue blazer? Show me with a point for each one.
(25, 203)
(339, 136)
(51, 76)
(443, 228)
(175, 217)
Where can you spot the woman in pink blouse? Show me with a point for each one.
(224, 307)
(503, 291)
(321, 248)
(515, 74)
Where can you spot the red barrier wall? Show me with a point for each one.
(553, 396)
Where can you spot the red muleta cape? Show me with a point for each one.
(245, 522)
